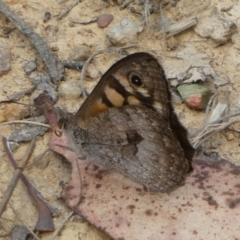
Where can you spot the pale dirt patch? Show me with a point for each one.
(224, 60)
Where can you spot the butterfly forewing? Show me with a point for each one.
(115, 88)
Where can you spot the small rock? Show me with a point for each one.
(80, 53)
(176, 99)
(220, 81)
(218, 111)
(190, 54)
(47, 16)
(69, 90)
(214, 25)
(55, 48)
(176, 69)
(228, 135)
(195, 75)
(104, 20)
(5, 58)
(30, 66)
(14, 146)
(92, 72)
(172, 43)
(14, 112)
(214, 144)
(42, 82)
(196, 96)
(124, 32)
(20, 232)
(42, 160)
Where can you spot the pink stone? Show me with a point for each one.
(195, 101)
(104, 20)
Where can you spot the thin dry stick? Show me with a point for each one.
(45, 222)
(226, 117)
(26, 122)
(61, 226)
(210, 103)
(210, 133)
(163, 28)
(16, 176)
(179, 27)
(80, 21)
(206, 132)
(15, 212)
(125, 4)
(18, 217)
(201, 132)
(51, 60)
(69, 8)
(146, 12)
(18, 95)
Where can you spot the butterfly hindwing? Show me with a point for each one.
(138, 143)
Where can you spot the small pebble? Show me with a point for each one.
(196, 96)
(70, 90)
(80, 53)
(55, 48)
(91, 71)
(229, 136)
(215, 144)
(104, 20)
(20, 232)
(124, 32)
(41, 161)
(14, 146)
(30, 66)
(214, 25)
(176, 99)
(47, 17)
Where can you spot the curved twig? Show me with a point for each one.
(51, 60)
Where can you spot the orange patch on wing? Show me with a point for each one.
(97, 108)
(133, 100)
(114, 97)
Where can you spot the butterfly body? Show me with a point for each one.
(128, 125)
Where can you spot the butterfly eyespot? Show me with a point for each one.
(136, 80)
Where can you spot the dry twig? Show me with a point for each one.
(179, 27)
(80, 21)
(61, 226)
(77, 65)
(45, 222)
(51, 60)
(18, 95)
(25, 122)
(69, 8)
(125, 4)
(15, 212)
(211, 128)
(16, 176)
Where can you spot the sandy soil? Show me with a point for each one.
(64, 37)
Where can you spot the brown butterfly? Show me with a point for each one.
(127, 124)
